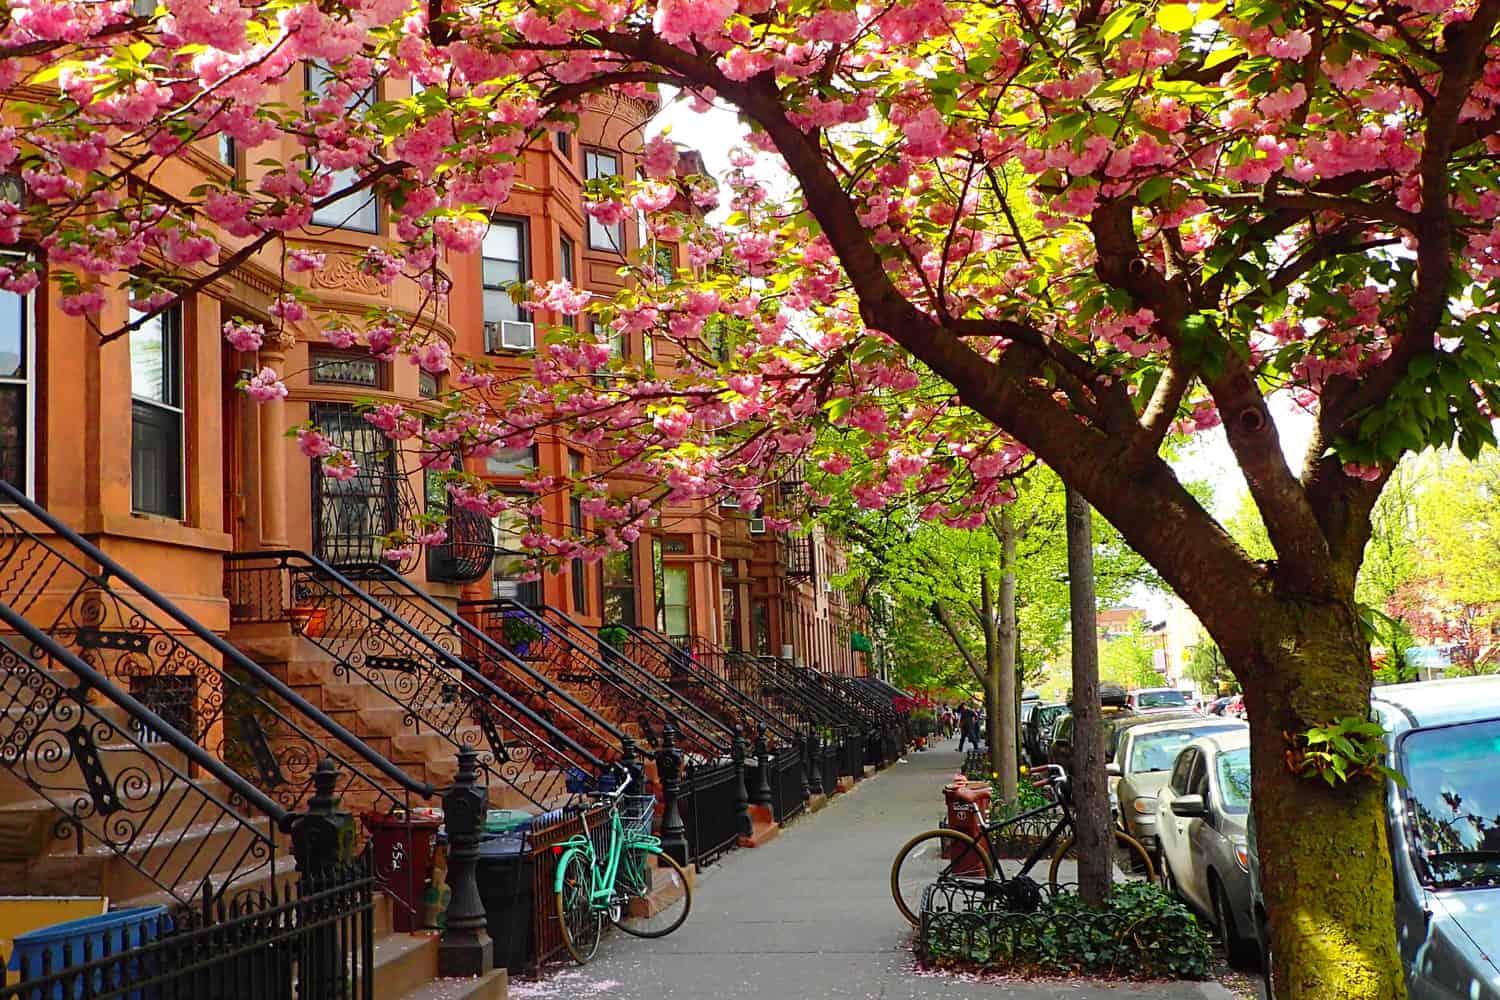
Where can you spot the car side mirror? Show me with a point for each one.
(1189, 806)
(1113, 769)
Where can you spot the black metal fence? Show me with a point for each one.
(707, 806)
(310, 941)
(788, 784)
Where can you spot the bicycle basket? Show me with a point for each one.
(636, 814)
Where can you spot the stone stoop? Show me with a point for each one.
(816, 803)
(870, 770)
(763, 827)
(663, 892)
(846, 784)
(406, 968)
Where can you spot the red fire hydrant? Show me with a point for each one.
(968, 808)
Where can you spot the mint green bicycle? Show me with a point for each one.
(626, 879)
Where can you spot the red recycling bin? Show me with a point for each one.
(402, 849)
(968, 807)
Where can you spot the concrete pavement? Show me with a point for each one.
(810, 915)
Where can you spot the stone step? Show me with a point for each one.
(405, 962)
(494, 985)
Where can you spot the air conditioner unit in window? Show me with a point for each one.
(516, 335)
(827, 586)
(757, 526)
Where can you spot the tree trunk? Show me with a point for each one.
(993, 705)
(1095, 848)
(1003, 724)
(1328, 888)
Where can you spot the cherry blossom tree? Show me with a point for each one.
(1017, 230)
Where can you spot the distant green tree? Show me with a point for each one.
(1128, 659)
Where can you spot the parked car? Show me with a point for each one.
(1217, 706)
(1115, 722)
(1037, 732)
(1158, 700)
(1148, 751)
(1444, 738)
(1201, 815)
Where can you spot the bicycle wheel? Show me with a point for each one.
(581, 924)
(929, 856)
(663, 906)
(1140, 857)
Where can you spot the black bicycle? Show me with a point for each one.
(946, 853)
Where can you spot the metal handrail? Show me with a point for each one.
(696, 647)
(643, 638)
(640, 682)
(147, 719)
(428, 605)
(127, 814)
(11, 496)
(310, 566)
(791, 680)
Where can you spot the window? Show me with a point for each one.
(504, 265)
(597, 165)
(510, 560)
(729, 597)
(564, 141)
(568, 272)
(512, 462)
(579, 569)
(17, 390)
(760, 626)
(334, 367)
(156, 414)
(359, 210)
(617, 583)
(229, 153)
(642, 227)
(428, 386)
(675, 618)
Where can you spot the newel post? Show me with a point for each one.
(762, 794)
(814, 763)
(669, 771)
(738, 749)
(799, 744)
(322, 843)
(465, 950)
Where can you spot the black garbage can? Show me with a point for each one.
(504, 877)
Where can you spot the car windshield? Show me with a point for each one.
(1453, 794)
(1158, 751)
(1234, 779)
(1161, 699)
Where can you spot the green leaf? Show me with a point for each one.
(1175, 17)
(1119, 22)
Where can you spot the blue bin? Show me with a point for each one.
(62, 946)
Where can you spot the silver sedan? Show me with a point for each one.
(1200, 823)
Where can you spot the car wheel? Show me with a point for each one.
(1238, 949)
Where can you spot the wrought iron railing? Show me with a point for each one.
(794, 684)
(788, 783)
(798, 557)
(494, 660)
(702, 737)
(313, 940)
(596, 676)
(707, 806)
(182, 819)
(436, 689)
(756, 679)
(708, 663)
(675, 668)
(185, 673)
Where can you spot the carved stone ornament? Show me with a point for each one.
(342, 273)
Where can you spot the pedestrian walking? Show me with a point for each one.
(967, 730)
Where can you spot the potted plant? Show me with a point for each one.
(518, 634)
(614, 635)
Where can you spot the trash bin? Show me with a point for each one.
(402, 855)
(62, 945)
(968, 808)
(505, 820)
(504, 876)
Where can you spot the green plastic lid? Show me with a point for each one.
(501, 820)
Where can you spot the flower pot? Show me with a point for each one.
(310, 621)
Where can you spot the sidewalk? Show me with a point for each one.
(810, 916)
